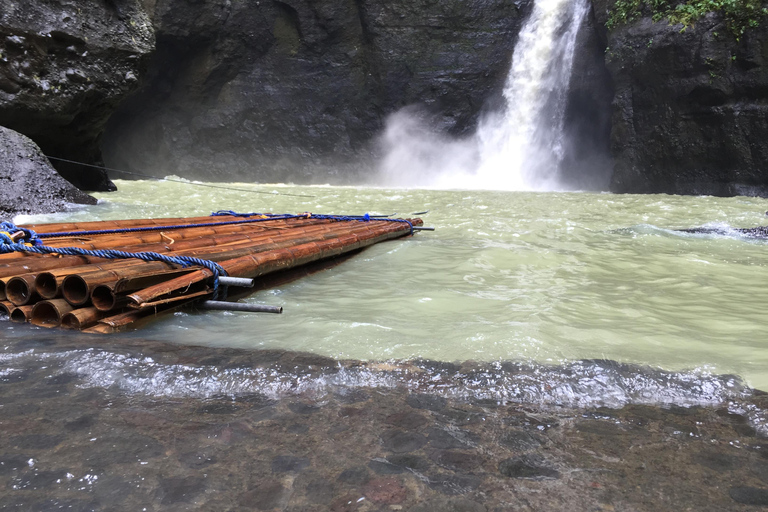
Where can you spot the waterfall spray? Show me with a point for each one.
(520, 148)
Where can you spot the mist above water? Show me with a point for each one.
(519, 148)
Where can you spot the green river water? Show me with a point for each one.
(507, 276)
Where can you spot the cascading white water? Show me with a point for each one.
(518, 149)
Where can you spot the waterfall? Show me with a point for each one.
(520, 148)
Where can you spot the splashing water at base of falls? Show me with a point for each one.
(518, 149)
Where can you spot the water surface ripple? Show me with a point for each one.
(532, 278)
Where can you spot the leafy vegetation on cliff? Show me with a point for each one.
(739, 14)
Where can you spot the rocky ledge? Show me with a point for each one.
(29, 183)
(690, 109)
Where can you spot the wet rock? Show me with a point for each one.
(601, 428)
(384, 467)
(114, 489)
(368, 60)
(120, 449)
(456, 460)
(346, 503)
(459, 417)
(83, 422)
(527, 467)
(320, 491)
(429, 402)
(39, 480)
(385, 490)
(220, 408)
(407, 420)
(302, 408)
(749, 495)
(520, 441)
(10, 463)
(22, 409)
(180, 490)
(289, 464)
(453, 485)
(449, 505)
(30, 184)
(36, 441)
(716, 461)
(297, 428)
(266, 496)
(61, 80)
(678, 122)
(197, 459)
(399, 442)
(352, 396)
(354, 476)
(409, 461)
(448, 439)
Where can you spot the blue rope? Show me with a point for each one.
(28, 243)
(32, 242)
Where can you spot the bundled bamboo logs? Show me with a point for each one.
(102, 295)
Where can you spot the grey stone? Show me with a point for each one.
(289, 464)
(749, 495)
(399, 442)
(30, 184)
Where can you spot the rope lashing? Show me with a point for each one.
(307, 215)
(30, 243)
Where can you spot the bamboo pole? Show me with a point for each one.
(75, 284)
(20, 290)
(261, 263)
(82, 318)
(48, 313)
(21, 314)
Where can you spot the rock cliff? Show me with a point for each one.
(274, 90)
(64, 67)
(690, 109)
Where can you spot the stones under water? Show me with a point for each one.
(73, 441)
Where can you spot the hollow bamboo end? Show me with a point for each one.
(21, 314)
(75, 290)
(45, 314)
(103, 298)
(46, 285)
(18, 291)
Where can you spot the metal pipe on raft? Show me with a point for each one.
(220, 305)
(236, 281)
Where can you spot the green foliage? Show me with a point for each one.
(739, 15)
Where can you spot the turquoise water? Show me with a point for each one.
(531, 277)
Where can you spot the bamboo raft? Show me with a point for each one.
(79, 284)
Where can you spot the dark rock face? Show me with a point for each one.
(587, 161)
(274, 90)
(29, 183)
(64, 67)
(690, 112)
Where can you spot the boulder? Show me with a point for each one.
(29, 184)
(64, 68)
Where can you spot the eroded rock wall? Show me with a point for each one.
(64, 67)
(690, 110)
(276, 90)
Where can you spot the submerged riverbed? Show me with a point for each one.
(538, 351)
